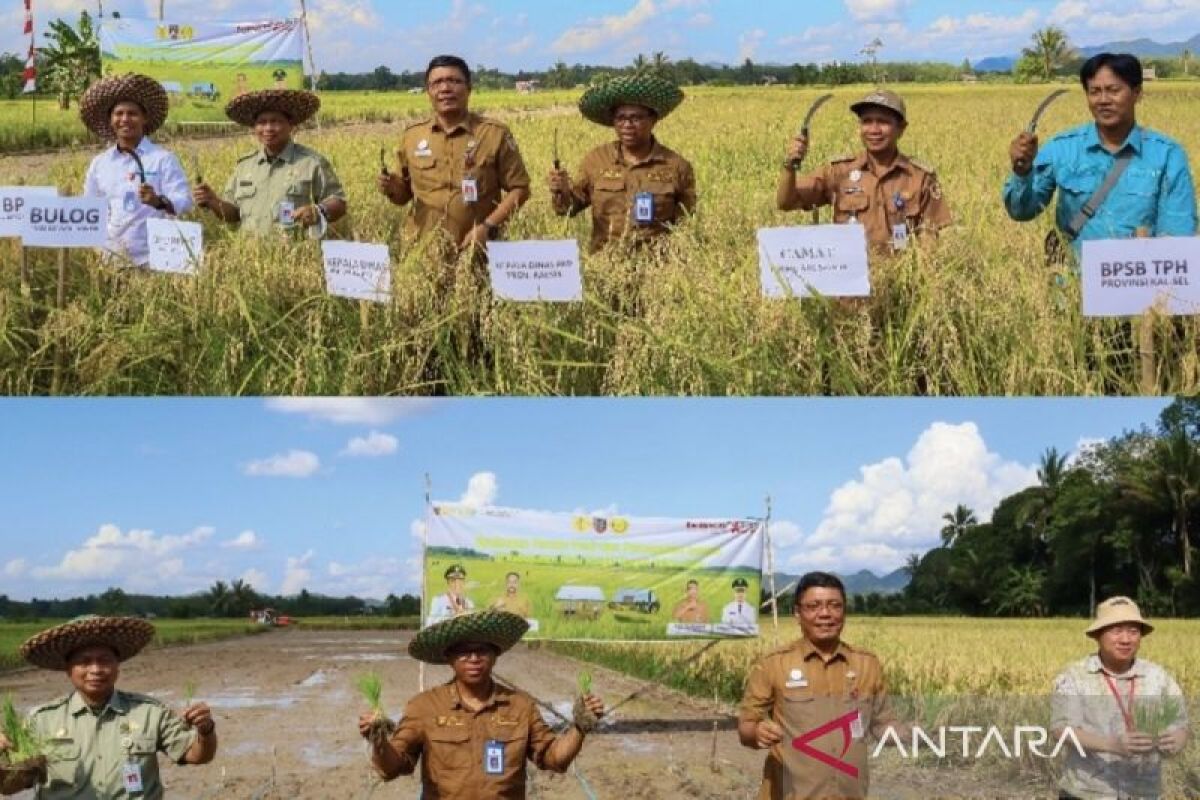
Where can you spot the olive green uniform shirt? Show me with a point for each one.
(87, 750)
(260, 184)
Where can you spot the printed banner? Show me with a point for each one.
(583, 576)
(1126, 277)
(830, 260)
(14, 204)
(65, 222)
(203, 65)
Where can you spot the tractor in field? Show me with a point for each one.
(270, 617)
(580, 602)
(643, 600)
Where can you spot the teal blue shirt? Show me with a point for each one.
(1155, 191)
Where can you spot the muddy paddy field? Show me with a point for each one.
(286, 712)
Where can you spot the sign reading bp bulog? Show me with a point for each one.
(830, 260)
(1127, 277)
(602, 577)
(65, 222)
(14, 205)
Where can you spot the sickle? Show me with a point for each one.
(1037, 116)
(812, 110)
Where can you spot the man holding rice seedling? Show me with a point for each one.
(1115, 179)
(140, 180)
(637, 188)
(894, 197)
(283, 186)
(471, 735)
(1124, 710)
(813, 702)
(99, 741)
(462, 172)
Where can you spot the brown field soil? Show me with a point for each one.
(286, 712)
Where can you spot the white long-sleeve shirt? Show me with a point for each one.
(114, 176)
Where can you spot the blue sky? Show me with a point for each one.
(168, 495)
(358, 35)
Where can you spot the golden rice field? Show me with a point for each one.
(974, 313)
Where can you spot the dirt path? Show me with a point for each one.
(286, 712)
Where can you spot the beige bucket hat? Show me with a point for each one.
(1116, 611)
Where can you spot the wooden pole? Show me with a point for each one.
(771, 568)
(424, 588)
(1147, 357)
(60, 302)
(161, 10)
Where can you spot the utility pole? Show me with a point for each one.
(161, 11)
(869, 51)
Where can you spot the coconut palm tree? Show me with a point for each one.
(957, 522)
(1169, 480)
(1050, 49)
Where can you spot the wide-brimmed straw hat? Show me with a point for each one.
(501, 629)
(644, 88)
(96, 105)
(297, 105)
(1117, 611)
(51, 648)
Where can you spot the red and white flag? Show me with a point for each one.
(30, 73)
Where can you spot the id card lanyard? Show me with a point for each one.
(470, 186)
(131, 771)
(1126, 707)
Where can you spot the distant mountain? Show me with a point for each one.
(1146, 48)
(861, 582)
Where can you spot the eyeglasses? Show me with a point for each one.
(482, 652)
(630, 119)
(813, 606)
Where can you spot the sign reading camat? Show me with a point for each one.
(536, 271)
(830, 260)
(66, 222)
(358, 271)
(14, 203)
(1126, 277)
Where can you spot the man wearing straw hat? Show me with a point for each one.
(472, 735)
(282, 186)
(100, 741)
(891, 195)
(637, 188)
(462, 172)
(818, 691)
(1125, 711)
(140, 180)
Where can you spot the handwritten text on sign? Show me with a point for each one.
(536, 271)
(1126, 277)
(14, 203)
(358, 271)
(175, 246)
(825, 259)
(65, 222)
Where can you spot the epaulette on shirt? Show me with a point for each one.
(921, 165)
(143, 699)
(52, 704)
(841, 159)
(249, 156)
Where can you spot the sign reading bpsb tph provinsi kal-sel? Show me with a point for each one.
(830, 260)
(65, 222)
(14, 205)
(536, 271)
(1127, 277)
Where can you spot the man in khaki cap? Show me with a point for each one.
(890, 194)
(1105, 699)
(102, 742)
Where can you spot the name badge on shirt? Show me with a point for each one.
(493, 757)
(856, 726)
(643, 208)
(132, 776)
(470, 190)
(131, 202)
(899, 236)
(287, 213)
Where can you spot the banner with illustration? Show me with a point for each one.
(584, 576)
(203, 65)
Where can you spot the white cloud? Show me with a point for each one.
(482, 490)
(597, 32)
(701, 20)
(749, 42)
(351, 410)
(257, 580)
(373, 445)
(416, 529)
(522, 45)
(895, 506)
(784, 533)
(984, 26)
(16, 568)
(246, 540)
(293, 464)
(375, 577)
(297, 574)
(876, 10)
(110, 553)
(1082, 447)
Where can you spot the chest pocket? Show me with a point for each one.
(62, 762)
(300, 192)
(608, 196)
(424, 174)
(515, 737)
(449, 749)
(849, 204)
(143, 746)
(665, 207)
(244, 194)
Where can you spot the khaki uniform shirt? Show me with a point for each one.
(450, 742)
(689, 611)
(516, 604)
(1083, 700)
(260, 184)
(87, 750)
(907, 194)
(433, 164)
(609, 185)
(801, 692)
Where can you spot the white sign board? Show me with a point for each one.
(358, 271)
(1126, 277)
(175, 246)
(816, 259)
(65, 222)
(536, 271)
(14, 202)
